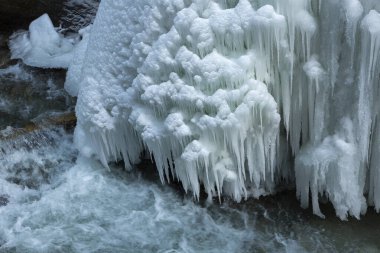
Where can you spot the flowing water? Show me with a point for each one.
(53, 202)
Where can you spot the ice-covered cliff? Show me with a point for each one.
(237, 96)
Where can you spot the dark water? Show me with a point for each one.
(26, 93)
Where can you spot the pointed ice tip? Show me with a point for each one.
(105, 164)
(371, 22)
(42, 46)
(320, 215)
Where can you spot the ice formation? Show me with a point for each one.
(234, 94)
(43, 46)
(185, 92)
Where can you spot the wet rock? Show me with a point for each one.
(31, 176)
(7, 119)
(4, 200)
(5, 55)
(16, 14)
(4, 58)
(10, 133)
(67, 120)
(4, 40)
(26, 93)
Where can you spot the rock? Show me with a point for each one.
(5, 55)
(67, 120)
(4, 200)
(18, 14)
(4, 58)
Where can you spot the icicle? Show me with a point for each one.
(202, 85)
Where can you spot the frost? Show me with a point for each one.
(76, 63)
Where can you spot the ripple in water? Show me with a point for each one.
(79, 206)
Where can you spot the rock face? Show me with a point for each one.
(73, 15)
(17, 14)
(4, 52)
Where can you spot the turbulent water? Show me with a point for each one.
(50, 203)
(26, 93)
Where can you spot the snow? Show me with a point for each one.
(231, 94)
(332, 169)
(42, 46)
(76, 63)
(354, 10)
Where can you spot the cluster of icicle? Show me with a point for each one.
(237, 95)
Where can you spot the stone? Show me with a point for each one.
(16, 14)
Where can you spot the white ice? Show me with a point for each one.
(228, 94)
(42, 46)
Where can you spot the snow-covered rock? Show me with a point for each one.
(43, 46)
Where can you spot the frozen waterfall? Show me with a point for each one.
(235, 95)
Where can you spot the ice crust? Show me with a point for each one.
(185, 92)
(237, 96)
(43, 46)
